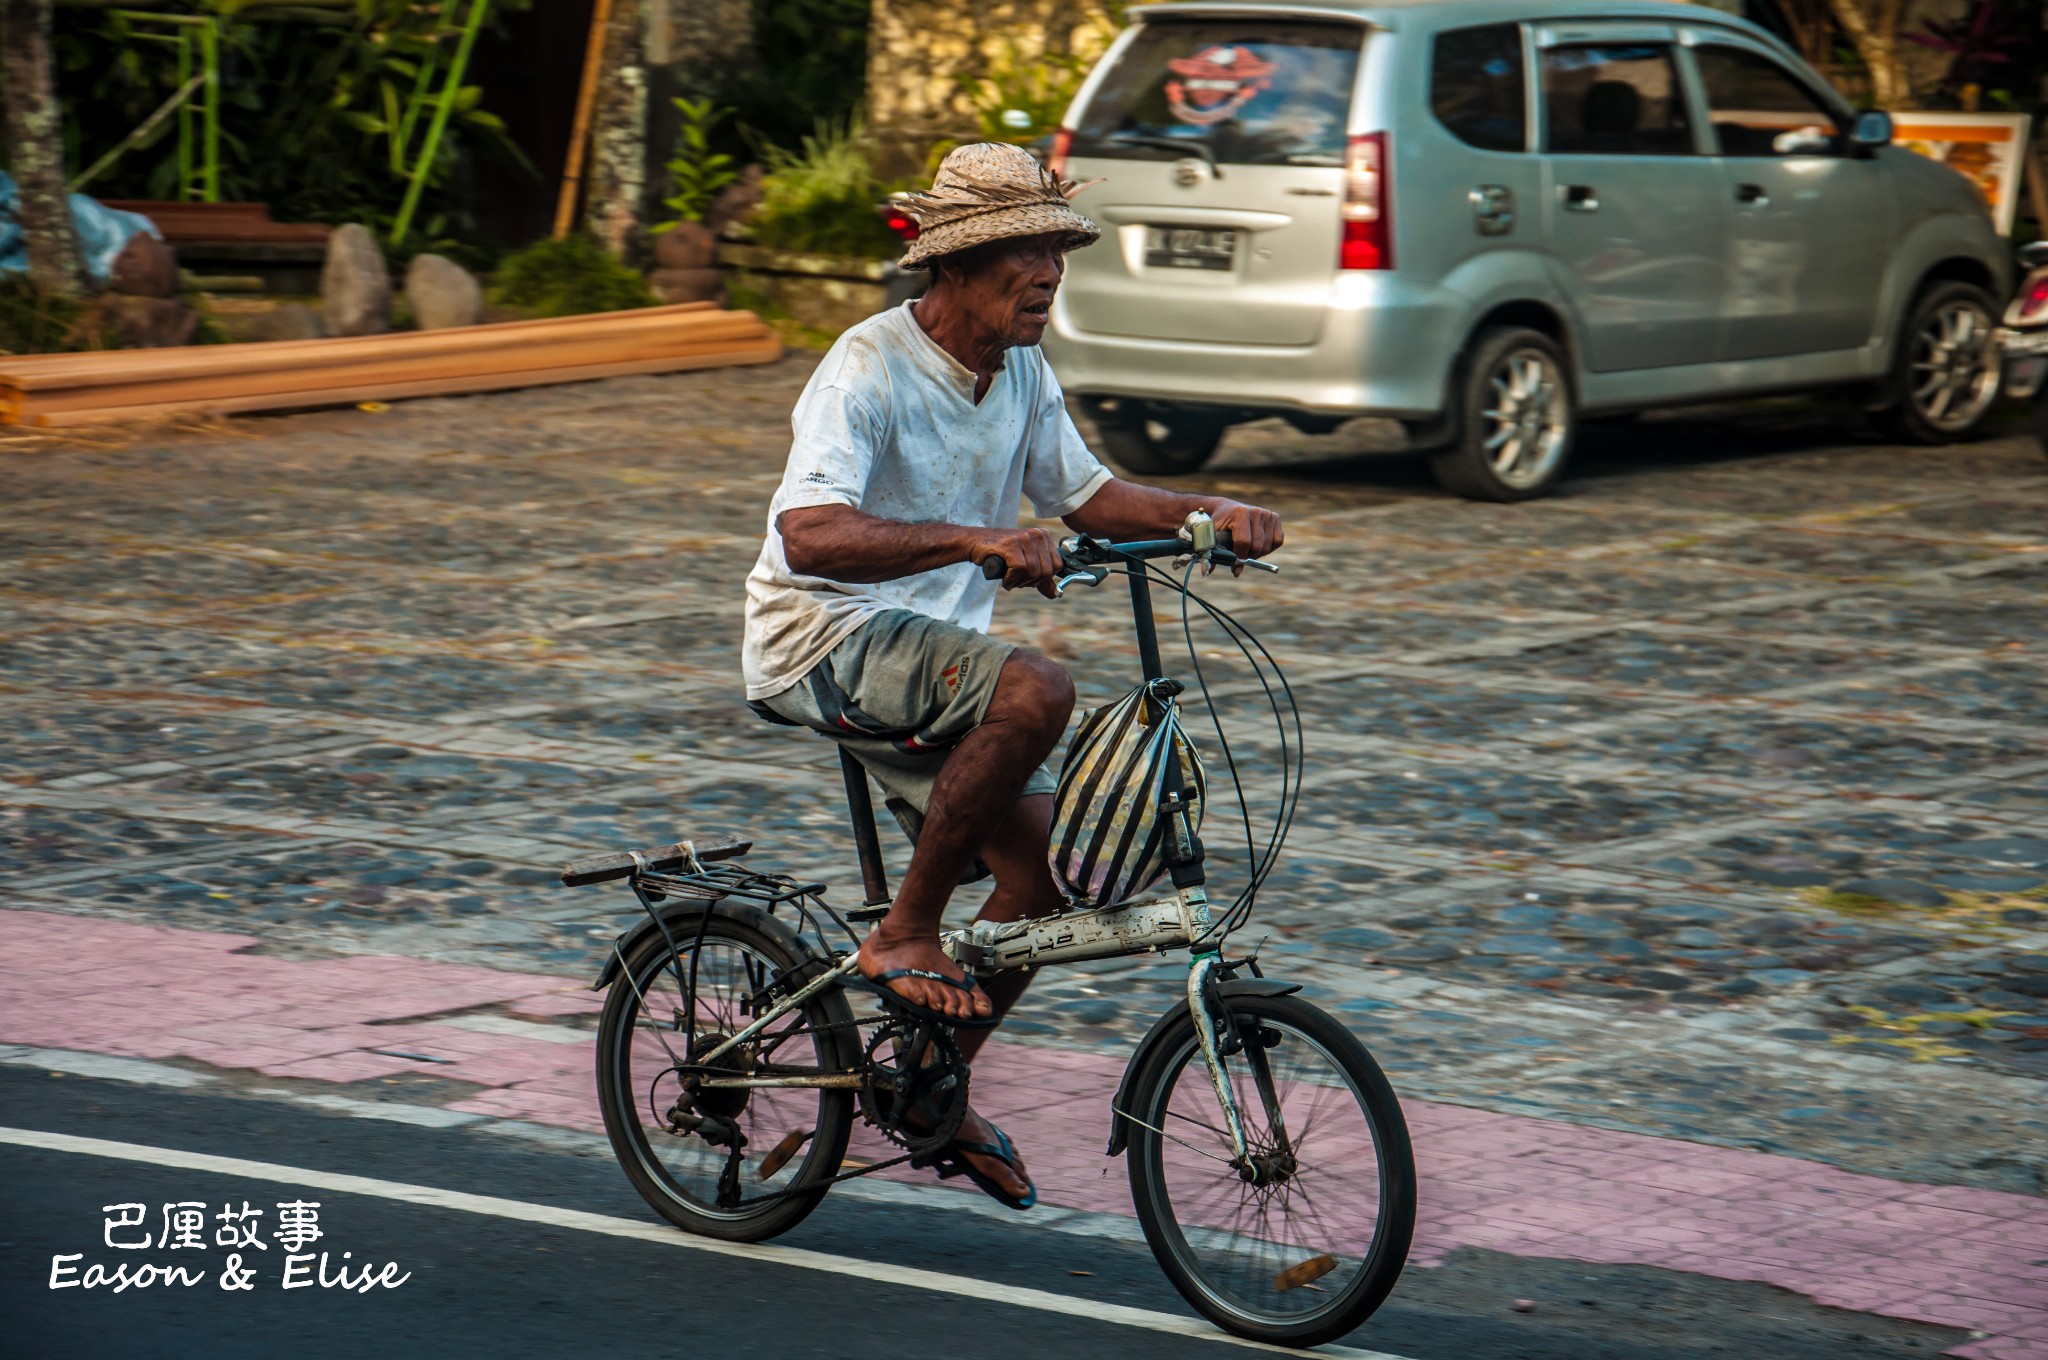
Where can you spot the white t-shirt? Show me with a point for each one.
(889, 424)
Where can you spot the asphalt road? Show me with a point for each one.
(484, 1284)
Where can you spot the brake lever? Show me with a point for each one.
(1224, 557)
(1094, 576)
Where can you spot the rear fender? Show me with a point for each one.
(681, 919)
(1155, 1038)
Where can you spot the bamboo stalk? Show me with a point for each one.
(754, 352)
(142, 130)
(579, 131)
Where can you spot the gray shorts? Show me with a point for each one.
(900, 692)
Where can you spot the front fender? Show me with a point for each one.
(1119, 1133)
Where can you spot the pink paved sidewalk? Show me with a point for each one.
(1965, 1258)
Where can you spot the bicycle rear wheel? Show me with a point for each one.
(1307, 1243)
(680, 1154)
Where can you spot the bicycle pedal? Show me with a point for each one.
(863, 915)
(1306, 1273)
(778, 1156)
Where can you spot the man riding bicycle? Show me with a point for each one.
(867, 610)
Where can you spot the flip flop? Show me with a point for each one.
(952, 1163)
(891, 997)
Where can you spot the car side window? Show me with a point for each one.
(1476, 86)
(1614, 99)
(1760, 109)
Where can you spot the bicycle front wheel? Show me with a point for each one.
(1304, 1243)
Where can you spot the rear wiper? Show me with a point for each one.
(1175, 144)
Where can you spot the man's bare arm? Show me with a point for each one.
(841, 543)
(1122, 509)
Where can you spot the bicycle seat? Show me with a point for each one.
(907, 817)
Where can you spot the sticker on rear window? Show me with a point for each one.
(1215, 83)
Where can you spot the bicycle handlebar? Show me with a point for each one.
(1079, 553)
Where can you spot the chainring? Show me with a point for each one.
(897, 1094)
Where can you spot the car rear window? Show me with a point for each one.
(1239, 91)
(1476, 88)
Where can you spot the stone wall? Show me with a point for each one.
(916, 47)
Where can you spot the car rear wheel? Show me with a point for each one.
(1514, 418)
(1945, 370)
(1155, 439)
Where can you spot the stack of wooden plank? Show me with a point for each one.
(183, 223)
(109, 385)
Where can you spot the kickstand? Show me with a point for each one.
(729, 1178)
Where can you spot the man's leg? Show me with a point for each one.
(1024, 888)
(975, 794)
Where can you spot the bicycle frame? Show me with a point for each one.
(1175, 921)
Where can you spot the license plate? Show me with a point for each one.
(1190, 248)
(2023, 374)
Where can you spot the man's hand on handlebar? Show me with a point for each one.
(1254, 532)
(1031, 556)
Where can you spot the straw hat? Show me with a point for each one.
(988, 191)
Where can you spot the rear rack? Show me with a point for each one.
(604, 868)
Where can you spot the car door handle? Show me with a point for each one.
(1751, 193)
(1581, 198)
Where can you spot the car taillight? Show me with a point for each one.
(1368, 205)
(2035, 300)
(895, 220)
(1056, 159)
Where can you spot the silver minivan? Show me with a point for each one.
(1489, 219)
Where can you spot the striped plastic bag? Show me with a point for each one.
(1108, 838)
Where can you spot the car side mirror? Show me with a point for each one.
(1872, 129)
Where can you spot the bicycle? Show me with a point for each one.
(731, 1064)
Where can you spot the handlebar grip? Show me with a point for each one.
(1223, 540)
(993, 568)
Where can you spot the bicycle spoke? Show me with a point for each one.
(775, 1126)
(1288, 1234)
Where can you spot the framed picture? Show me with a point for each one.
(1988, 149)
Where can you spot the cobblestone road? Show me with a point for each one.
(1705, 800)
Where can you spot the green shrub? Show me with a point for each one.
(823, 197)
(568, 278)
(35, 322)
(697, 171)
(310, 113)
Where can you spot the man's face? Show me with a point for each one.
(1008, 286)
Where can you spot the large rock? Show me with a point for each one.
(146, 267)
(289, 321)
(687, 285)
(142, 322)
(355, 287)
(686, 245)
(442, 293)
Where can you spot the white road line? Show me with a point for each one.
(986, 1291)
